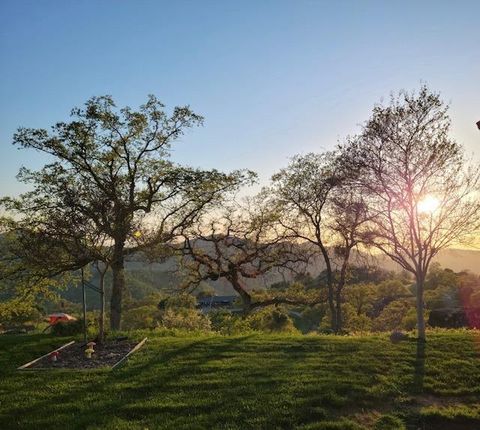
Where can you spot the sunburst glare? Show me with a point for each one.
(428, 205)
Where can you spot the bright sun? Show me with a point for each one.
(428, 205)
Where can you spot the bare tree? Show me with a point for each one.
(423, 195)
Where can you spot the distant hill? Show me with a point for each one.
(455, 259)
(144, 278)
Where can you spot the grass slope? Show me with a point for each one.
(251, 382)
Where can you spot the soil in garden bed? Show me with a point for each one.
(73, 356)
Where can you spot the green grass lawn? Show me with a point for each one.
(251, 382)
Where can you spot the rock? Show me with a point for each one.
(398, 336)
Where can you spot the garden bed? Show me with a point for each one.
(72, 356)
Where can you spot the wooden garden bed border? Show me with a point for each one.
(26, 366)
(124, 358)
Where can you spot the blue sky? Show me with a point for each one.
(272, 78)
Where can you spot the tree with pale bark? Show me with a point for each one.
(423, 193)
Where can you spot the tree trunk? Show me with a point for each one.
(331, 293)
(420, 314)
(338, 325)
(340, 285)
(244, 295)
(101, 320)
(118, 285)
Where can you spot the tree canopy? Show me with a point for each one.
(110, 178)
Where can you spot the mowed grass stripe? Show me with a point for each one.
(252, 381)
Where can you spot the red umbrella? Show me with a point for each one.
(60, 317)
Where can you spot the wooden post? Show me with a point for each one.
(84, 302)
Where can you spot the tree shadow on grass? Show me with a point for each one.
(419, 367)
(84, 383)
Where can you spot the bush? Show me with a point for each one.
(185, 319)
(178, 301)
(353, 322)
(272, 319)
(392, 316)
(71, 328)
(224, 322)
(310, 318)
(409, 321)
(146, 316)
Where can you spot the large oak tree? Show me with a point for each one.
(111, 173)
(245, 242)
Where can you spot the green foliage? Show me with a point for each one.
(186, 301)
(354, 322)
(185, 319)
(146, 316)
(392, 315)
(226, 323)
(271, 319)
(71, 328)
(22, 299)
(310, 318)
(361, 296)
(409, 321)
(17, 311)
(392, 288)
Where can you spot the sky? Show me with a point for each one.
(271, 78)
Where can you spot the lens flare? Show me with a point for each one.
(428, 205)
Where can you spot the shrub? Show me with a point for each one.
(271, 319)
(224, 322)
(146, 316)
(310, 318)
(71, 328)
(353, 321)
(185, 319)
(392, 316)
(409, 321)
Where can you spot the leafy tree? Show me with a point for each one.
(361, 297)
(317, 205)
(423, 195)
(355, 321)
(111, 178)
(392, 316)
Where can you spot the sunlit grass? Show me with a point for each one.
(250, 382)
